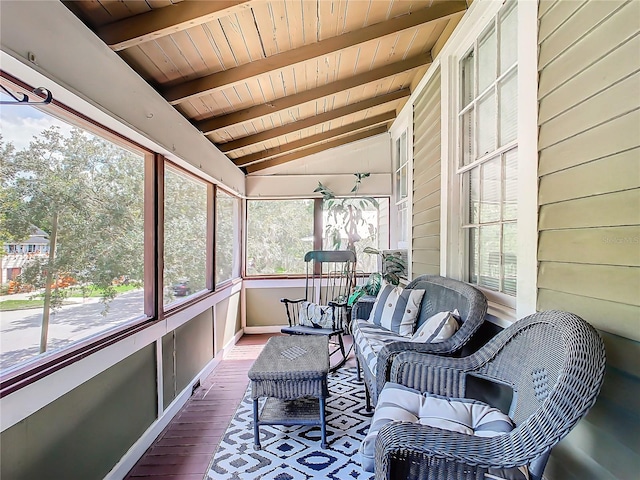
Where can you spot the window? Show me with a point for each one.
(401, 192)
(488, 159)
(72, 204)
(369, 227)
(227, 237)
(279, 233)
(185, 235)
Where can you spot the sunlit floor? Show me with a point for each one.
(184, 449)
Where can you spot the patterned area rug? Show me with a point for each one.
(294, 453)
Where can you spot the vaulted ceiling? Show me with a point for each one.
(269, 82)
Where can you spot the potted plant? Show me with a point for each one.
(392, 265)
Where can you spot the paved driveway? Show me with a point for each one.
(20, 329)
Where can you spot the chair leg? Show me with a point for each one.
(358, 375)
(343, 355)
(367, 398)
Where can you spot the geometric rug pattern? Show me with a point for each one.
(293, 452)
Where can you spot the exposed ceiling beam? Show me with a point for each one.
(278, 105)
(164, 21)
(318, 148)
(209, 83)
(313, 139)
(312, 121)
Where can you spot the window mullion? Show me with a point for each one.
(211, 236)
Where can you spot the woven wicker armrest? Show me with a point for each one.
(430, 373)
(362, 308)
(390, 352)
(423, 446)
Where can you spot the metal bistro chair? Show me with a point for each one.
(330, 278)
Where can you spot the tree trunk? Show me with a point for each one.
(46, 310)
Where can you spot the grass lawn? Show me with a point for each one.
(24, 304)
(7, 305)
(94, 292)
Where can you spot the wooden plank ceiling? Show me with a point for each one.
(270, 82)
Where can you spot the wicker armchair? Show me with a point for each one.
(554, 364)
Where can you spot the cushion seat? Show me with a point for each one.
(470, 417)
(369, 340)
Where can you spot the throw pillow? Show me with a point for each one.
(437, 328)
(316, 316)
(396, 309)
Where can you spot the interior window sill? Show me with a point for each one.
(500, 315)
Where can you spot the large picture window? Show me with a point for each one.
(279, 233)
(227, 237)
(185, 235)
(488, 157)
(73, 232)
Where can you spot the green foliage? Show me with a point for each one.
(8, 305)
(279, 233)
(226, 237)
(185, 231)
(345, 215)
(392, 266)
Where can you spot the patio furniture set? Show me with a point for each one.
(493, 414)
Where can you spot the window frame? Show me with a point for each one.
(145, 326)
(402, 126)
(478, 18)
(318, 232)
(209, 240)
(478, 160)
(24, 373)
(236, 269)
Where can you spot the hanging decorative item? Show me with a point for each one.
(23, 98)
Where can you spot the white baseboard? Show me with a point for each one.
(257, 330)
(230, 344)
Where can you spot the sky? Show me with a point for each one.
(20, 123)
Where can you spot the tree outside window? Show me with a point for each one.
(185, 235)
(85, 194)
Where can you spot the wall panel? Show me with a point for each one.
(425, 256)
(84, 433)
(589, 214)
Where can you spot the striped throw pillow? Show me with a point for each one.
(396, 309)
(437, 328)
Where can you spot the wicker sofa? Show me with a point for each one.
(441, 294)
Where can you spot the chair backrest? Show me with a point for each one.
(330, 275)
(554, 361)
(445, 294)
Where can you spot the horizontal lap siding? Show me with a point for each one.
(589, 217)
(426, 181)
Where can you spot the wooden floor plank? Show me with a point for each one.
(185, 447)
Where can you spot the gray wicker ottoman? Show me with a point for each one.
(291, 372)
